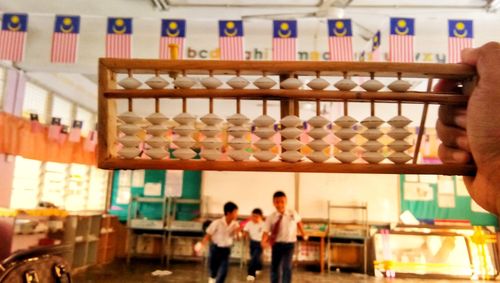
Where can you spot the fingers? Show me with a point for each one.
(447, 86)
(452, 155)
(453, 116)
(470, 55)
(452, 136)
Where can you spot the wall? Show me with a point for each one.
(380, 192)
(254, 189)
(247, 189)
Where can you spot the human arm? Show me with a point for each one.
(302, 232)
(198, 247)
(207, 238)
(264, 243)
(471, 134)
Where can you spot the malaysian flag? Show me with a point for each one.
(376, 47)
(119, 38)
(172, 32)
(13, 36)
(460, 35)
(65, 39)
(401, 40)
(231, 40)
(284, 40)
(340, 40)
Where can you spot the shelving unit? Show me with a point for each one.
(139, 226)
(107, 240)
(345, 240)
(186, 229)
(22, 230)
(83, 233)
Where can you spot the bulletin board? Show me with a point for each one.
(430, 197)
(130, 183)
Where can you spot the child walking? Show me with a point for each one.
(253, 231)
(280, 231)
(220, 233)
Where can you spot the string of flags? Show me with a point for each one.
(119, 34)
(62, 133)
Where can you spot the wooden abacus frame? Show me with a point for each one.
(108, 92)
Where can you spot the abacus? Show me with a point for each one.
(172, 145)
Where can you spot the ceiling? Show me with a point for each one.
(78, 80)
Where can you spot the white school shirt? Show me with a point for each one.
(255, 230)
(221, 233)
(288, 226)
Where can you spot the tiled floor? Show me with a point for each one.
(140, 271)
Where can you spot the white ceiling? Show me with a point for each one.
(202, 15)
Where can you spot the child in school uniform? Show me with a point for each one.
(280, 231)
(220, 233)
(253, 231)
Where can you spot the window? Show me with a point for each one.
(26, 183)
(35, 101)
(68, 186)
(98, 188)
(2, 86)
(62, 108)
(72, 187)
(78, 186)
(87, 118)
(54, 183)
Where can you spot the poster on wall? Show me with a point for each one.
(411, 178)
(124, 178)
(429, 179)
(461, 188)
(138, 178)
(476, 208)
(123, 196)
(174, 183)
(152, 189)
(418, 191)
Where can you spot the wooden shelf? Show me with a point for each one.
(300, 94)
(310, 167)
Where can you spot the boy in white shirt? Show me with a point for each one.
(221, 233)
(280, 231)
(253, 231)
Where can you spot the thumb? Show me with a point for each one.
(470, 56)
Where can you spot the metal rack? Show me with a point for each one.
(358, 239)
(147, 227)
(176, 228)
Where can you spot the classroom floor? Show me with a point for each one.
(140, 271)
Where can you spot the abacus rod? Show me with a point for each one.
(238, 105)
(346, 108)
(211, 105)
(129, 71)
(157, 105)
(372, 108)
(421, 129)
(399, 102)
(130, 107)
(157, 73)
(184, 105)
(279, 94)
(318, 107)
(264, 106)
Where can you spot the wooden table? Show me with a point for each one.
(321, 235)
